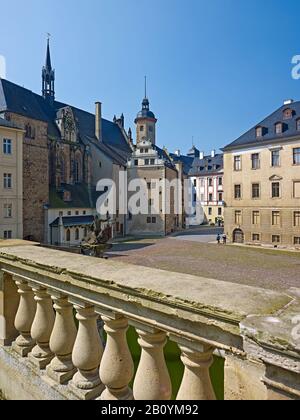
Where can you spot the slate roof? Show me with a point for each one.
(186, 161)
(162, 154)
(268, 125)
(73, 221)
(207, 166)
(16, 99)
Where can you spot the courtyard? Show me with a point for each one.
(191, 254)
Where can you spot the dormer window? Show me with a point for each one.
(279, 128)
(288, 114)
(298, 124)
(259, 132)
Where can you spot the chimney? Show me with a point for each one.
(201, 156)
(213, 153)
(98, 121)
(288, 102)
(177, 153)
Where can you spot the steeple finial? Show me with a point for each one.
(145, 87)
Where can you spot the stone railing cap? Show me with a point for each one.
(214, 298)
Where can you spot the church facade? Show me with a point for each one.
(66, 151)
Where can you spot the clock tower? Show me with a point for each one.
(146, 122)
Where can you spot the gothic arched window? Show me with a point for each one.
(68, 235)
(63, 170)
(78, 174)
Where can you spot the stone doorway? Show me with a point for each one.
(238, 236)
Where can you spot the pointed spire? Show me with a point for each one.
(145, 87)
(48, 55)
(48, 76)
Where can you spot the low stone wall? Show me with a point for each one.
(47, 356)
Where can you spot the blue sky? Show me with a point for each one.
(215, 68)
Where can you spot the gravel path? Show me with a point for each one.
(256, 267)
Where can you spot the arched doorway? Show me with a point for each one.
(238, 236)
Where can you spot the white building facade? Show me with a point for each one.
(207, 190)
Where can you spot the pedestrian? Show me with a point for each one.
(219, 239)
(224, 239)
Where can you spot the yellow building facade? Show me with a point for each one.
(262, 182)
(11, 181)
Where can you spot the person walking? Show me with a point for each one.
(219, 239)
(224, 239)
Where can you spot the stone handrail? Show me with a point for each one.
(251, 328)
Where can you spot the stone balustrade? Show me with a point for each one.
(51, 302)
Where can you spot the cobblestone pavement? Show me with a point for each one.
(277, 270)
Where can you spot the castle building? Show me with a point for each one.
(11, 180)
(207, 185)
(155, 166)
(262, 181)
(66, 151)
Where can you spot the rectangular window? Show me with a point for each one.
(141, 128)
(276, 239)
(148, 220)
(210, 198)
(220, 182)
(147, 162)
(275, 158)
(136, 163)
(146, 151)
(256, 218)
(255, 191)
(238, 217)
(153, 220)
(276, 218)
(255, 158)
(210, 182)
(210, 211)
(152, 162)
(237, 163)
(296, 156)
(275, 189)
(7, 147)
(255, 237)
(220, 197)
(8, 211)
(296, 188)
(296, 240)
(7, 181)
(297, 218)
(220, 211)
(149, 185)
(7, 234)
(195, 183)
(238, 192)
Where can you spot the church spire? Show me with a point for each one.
(48, 56)
(48, 76)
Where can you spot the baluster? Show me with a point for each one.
(196, 384)
(62, 340)
(117, 368)
(41, 329)
(24, 319)
(87, 354)
(152, 382)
